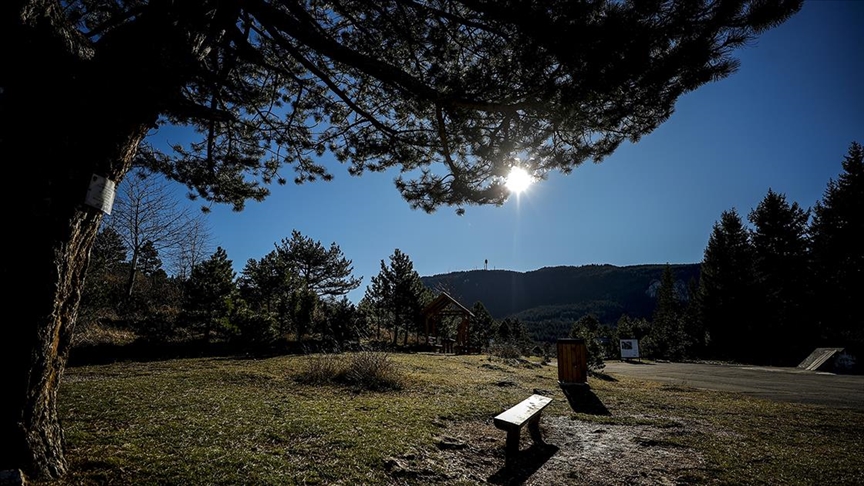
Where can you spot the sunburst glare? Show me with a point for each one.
(518, 180)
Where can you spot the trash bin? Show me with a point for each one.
(572, 361)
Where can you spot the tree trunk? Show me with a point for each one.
(65, 115)
(133, 271)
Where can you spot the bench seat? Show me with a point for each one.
(512, 420)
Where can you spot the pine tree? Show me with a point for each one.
(780, 251)
(108, 250)
(341, 323)
(667, 338)
(588, 328)
(209, 293)
(483, 324)
(324, 271)
(148, 260)
(269, 286)
(726, 289)
(398, 294)
(103, 288)
(694, 327)
(838, 254)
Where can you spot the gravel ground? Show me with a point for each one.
(576, 452)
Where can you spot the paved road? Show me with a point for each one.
(781, 384)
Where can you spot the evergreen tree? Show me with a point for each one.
(694, 327)
(780, 251)
(373, 305)
(483, 326)
(726, 289)
(326, 272)
(303, 305)
(838, 254)
(461, 86)
(341, 322)
(320, 273)
(667, 338)
(108, 250)
(209, 293)
(632, 328)
(269, 286)
(149, 262)
(103, 288)
(398, 293)
(155, 292)
(588, 327)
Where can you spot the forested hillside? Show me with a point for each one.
(563, 293)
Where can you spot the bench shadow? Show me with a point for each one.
(524, 465)
(583, 400)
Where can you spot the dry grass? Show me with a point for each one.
(364, 370)
(246, 421)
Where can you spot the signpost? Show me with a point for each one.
(629, 348)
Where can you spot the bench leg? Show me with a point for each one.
(512, 448)
(534, 429)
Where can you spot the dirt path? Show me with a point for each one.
(576, 452)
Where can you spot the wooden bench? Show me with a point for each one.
(528, 412)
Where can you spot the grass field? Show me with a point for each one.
(247, 421)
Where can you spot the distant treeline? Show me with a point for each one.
(563, 293)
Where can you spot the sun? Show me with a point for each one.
(518, 180)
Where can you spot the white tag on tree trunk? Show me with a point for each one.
(100, 194)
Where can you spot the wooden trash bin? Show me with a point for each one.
(572, 361)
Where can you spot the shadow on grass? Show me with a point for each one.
(603, 376)
(143, 350)
(583, 400)
(524, 465)
(639, 362)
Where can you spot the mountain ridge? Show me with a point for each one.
(563, 291)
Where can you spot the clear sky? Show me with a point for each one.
(783, 121)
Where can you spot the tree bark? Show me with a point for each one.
(65, 115)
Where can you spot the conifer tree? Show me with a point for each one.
(780, 251)
(324, 271)
(667, 338)
(209, 293)
(588, 328)
(483, 325)
(726, 289)
(398, 294)
(320, 272)
(838, 254)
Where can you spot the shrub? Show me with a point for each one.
(160, 326)
(322, 369)
(365, 370)
(588, 328)
(254, 328)
(372, 370)
(505, 350)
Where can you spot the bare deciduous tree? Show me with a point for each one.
(193, 249)
(147, 213)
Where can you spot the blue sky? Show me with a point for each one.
(783, 121)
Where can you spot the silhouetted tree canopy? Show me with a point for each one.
(727, 287)
(838, 253)
(453, 88)
(782, 280)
